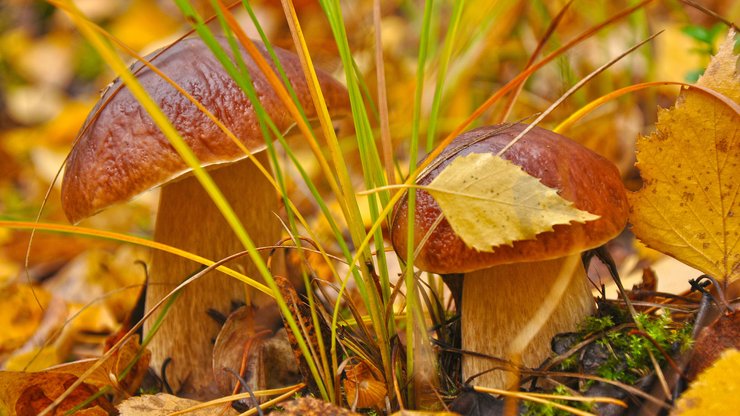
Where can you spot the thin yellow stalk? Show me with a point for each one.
(540, 45)
(124, 238)
(540, 398)
(283, 397)
(583, 111)
(385, 131)
(290, 390)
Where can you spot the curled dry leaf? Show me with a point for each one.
(268, 358)
(688, 206)
(362, 388)
(234, 345)
(490, 202)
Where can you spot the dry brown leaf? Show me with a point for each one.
(309, 406)
(31, 389)
(721, 335)
(163, 404)
(362, 388)
(688, 206)
(27, 394)
(113, 366)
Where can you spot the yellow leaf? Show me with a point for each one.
(688, 206)
(22, 307)
(716, 391)
(490, 201)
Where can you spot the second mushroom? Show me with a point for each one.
(503, 289)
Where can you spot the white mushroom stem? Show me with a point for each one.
(502, 301)
(188, 219)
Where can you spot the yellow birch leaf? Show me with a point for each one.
(490, 201)
(716, 391)
(688, 206)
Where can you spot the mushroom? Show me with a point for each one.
(121, 153)
(503, 289)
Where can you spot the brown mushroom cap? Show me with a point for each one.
(120, 152)
(579, 175)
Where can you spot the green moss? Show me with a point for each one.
(628, 352)
(629, 358)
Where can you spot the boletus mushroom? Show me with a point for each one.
(503, 289)
(121, 153)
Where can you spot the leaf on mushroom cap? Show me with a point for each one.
(490, 202)
(688, 206)
(120, 152)
(579, 175)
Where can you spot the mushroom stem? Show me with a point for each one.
(188, 219)
(501, 300)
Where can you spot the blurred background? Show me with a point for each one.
(50, 78)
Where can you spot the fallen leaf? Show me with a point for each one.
(27, 394)
(163, 404)
(106, 374)
(309, 406)
(262, 349)
(362, 388)
(50, 344)
(490, 202)
(23, 310)
(688, 206)
(30, 390)
(234, 344)
(716, 391)
(99, 278)
(721, 335)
